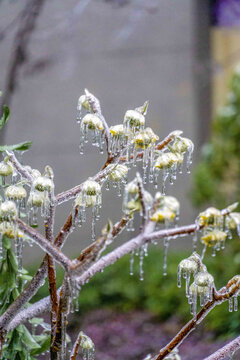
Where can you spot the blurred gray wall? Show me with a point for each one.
(124, 55)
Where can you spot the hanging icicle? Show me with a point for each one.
(145, 140)
(44, 185)
(215, 239)
(167, 162)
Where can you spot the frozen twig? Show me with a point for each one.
(18, 166)
(45, 245)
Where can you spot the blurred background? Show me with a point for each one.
(180, 55)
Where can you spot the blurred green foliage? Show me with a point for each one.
(115, 289)
(217, 175)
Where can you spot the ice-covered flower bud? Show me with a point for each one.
(91, 188)
(181, 145)
(119, 173)
(117, 131)
(198, 290)
(189, 266)
(163, 215)
(15, 192)
(135, 203)
(9, 229)
(233, 220)
(132, 187)
(35, 173)
(92, 122)
(211, 238)
(8, 211)
(43, 183)
(83, 102)
(166, 160)
(5, 169)
(168, 201)
(145, 138)
(88, 201)
(133, 120)
(203, 279)
(86, 342)
(209, 216)
(36, 198)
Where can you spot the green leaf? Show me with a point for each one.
(5, 116)
(35, 321)
(20, 147)
(28, 340)
(45, 345)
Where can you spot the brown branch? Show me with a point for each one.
(76, 345)
(218, 298)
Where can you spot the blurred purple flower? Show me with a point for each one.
(227, 13)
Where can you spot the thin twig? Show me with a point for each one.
(45, 245)
(18, 166)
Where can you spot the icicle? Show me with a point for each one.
(93, 223)
(188, 277)
(130, 225)
(179, 277)
(131, 263)
(195, 240)
(203, 251)
(79, 112)
(180, 168)
(156, 173)
(107, 184)
(166, 246)
(189, 159)
(230, 304)
(151, 166)
(193, 301)
(164, 179)
(235, 301)
(213, 251)
(141, 271)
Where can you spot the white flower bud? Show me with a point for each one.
(169, 202)
(211, 238)
(166, 160)
(119, 173)
(15, 192)
(9, 229)
(162, 215)
(181, 145)
(203, 279)
(36, 198)
(91, 187)
(188, 266)
(209, 216)
(92, 122)
(145, 138)
(132, 187)
(200, 290)
(83, 101)
(8, 211)
(5, 169)
(233, 220)
(117, 131)
(43, 183)
(134, 120)
(88, 201)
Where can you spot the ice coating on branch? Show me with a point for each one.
(174, 355)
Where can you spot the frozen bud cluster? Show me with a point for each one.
(134, 121)
(145, 138)
(90, 196)
(202, 285)
(35, 201)
(210, 216)
(8, 211)
(87, 346)
(43, 183)
(5, 170)
(168, 208)
(214, 238)
(118, 177)
(82, 103)
(93, 123)
(118, 138)
(188, 267)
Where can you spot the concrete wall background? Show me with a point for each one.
(123, 63)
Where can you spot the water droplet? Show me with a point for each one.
(131, 263)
